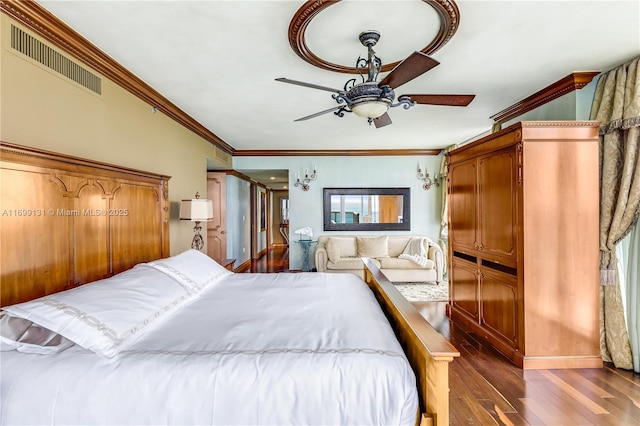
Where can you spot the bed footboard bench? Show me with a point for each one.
(428, 352)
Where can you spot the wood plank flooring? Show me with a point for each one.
(486, 389)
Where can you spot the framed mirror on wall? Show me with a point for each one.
(367, 209)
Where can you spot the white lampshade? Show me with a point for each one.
(371, 109)
(196, 210)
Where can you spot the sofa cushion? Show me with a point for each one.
(397, 244)
(339, 247)
(395, 263)
(348, 263)
(373, 246)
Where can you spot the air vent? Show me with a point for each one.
(40, 52)
(222, 156)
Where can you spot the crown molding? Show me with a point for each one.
(568, 84)
(46, 25)
(334, 152)
(447, 10)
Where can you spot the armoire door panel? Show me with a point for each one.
(463, 286)
(498, 306)
(497, 204)
(462, 205)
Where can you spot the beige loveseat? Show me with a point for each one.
(342, 253)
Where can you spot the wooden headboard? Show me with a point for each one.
(66, 221)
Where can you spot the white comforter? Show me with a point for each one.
(306, 348)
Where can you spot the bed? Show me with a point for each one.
(180, 340)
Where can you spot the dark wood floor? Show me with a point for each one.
(486, 389)
(276, 260)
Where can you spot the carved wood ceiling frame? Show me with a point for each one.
(447, 10)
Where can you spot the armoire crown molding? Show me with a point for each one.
(568, 84)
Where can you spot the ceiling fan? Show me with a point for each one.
(370, 99)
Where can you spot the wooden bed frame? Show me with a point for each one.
(428, 352)
(67, 221)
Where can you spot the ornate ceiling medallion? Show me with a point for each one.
(447, 10)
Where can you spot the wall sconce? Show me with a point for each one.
(427, 180)
(197, 210)
(304, 183)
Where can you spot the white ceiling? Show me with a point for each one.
(217, 61)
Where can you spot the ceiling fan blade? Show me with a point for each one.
(383, 120)
(302, 83)
(416, 64)
(317, 114)
(449, 100)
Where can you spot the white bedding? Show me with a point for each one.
(306, 348)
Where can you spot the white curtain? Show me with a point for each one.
(628, 251)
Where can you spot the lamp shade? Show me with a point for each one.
(196, 210)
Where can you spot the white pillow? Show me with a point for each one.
(193, 269)
(373, 246)
(107, 315)
(25, 336)
(340, 247)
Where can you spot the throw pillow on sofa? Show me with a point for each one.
(373, 246)
(397, 245)
(341, 247)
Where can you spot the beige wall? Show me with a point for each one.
(42, 109)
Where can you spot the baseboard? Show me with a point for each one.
(564, 362)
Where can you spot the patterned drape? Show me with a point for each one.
(444, 214)
(616, 105)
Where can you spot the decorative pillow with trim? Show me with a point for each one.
(193, 269)
(107, 315)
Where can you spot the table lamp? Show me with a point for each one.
(197, 210)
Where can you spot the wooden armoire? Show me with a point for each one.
(523, 242)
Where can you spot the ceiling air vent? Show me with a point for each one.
(222, 156)
(50, 58)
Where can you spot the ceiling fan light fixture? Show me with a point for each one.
(371, 99)
(368, 100)
(370, 109)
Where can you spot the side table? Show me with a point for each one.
(305, 244)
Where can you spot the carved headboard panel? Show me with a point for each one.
(65, 221)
